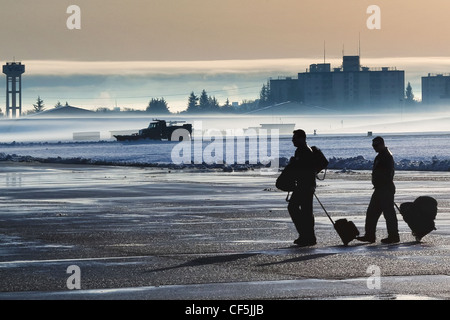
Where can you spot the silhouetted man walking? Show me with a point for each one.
(301, 203)
(382, 200)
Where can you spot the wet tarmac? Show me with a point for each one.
(159, 234)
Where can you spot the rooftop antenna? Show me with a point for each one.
(324, 52)
(359, 45)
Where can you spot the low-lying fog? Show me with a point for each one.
(39, 129)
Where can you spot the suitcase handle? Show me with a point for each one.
(324, 209)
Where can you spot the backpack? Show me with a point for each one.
(320, 161)
(286, 181)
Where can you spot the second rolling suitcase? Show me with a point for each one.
(346, 230)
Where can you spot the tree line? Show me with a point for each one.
(196, 104)
(205, 103)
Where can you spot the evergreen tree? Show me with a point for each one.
(203, 101)
(409, 94)
(158, 106)
(192, 103)
(227, 107)
(39, 106)
(264, 95)
(213, 104)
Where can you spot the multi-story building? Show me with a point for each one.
(347, 87)
(436, 89)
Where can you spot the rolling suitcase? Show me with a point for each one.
(420, 215)
(346, 230)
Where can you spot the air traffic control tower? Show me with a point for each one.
(13, 71)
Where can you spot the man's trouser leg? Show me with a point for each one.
(301, 211)
(294, 210)
(389, 212)
(372, 215)
(382, 201)
(307, 216)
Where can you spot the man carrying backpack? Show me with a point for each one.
(301, 203)
(382, 200)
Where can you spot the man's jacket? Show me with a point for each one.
(304, 165)
(383, 169)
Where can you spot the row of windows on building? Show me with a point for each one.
(353, 85)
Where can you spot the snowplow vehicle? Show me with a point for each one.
(157, 130)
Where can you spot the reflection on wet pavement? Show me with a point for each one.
(152, 233)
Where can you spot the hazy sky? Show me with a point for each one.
(211, 39)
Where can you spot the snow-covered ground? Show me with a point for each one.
(411, 152)
(39, 140)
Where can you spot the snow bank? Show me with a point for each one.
(353, 163)
(360, 163)
(106, 162)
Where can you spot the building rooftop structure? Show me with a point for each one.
(65, 111)
(347, 87)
